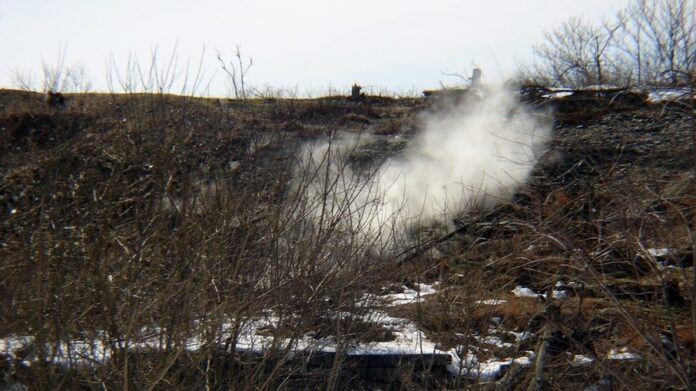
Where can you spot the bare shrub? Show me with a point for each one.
(157, 268)
(236, 70)
(649, 43)
(23, 79)
(577, 53)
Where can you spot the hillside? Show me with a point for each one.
(169, 242)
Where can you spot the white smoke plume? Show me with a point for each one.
(468, 155)
(473, 154)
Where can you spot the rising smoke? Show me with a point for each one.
(470, 154)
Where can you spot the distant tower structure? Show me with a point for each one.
(476, 78)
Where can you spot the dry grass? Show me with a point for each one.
(127, 216)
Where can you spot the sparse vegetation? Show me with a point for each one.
(156, 229)
(236, 70)
(55, 78)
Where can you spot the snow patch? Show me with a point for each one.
(521, 336)
(622, 354)
(659, 252)
(558, 93)
(580, 359)
(491, 301)
(521, 291)
(233, 165)
(408, 296)
(487, 370)
(409, 339)
(493, 340)
(668, 94)
(598, 87)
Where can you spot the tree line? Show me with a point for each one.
(648, 43)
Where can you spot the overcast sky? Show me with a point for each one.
(308, 45)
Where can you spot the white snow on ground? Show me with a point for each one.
(254, 336)
(558, 94)
(656, 95)
(622, 354)
(12, 344)
(491, 301)
(251, 338)
(667, 94)
(659, 252)
(493, 340)
(408, 296)
(579, 359)
(409, 339)
(598, 87)
(662, 252)
(521, 291)
(486, 370)
(521, 336)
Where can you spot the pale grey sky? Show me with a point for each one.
(310, 45)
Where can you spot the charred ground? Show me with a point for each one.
(120, 213)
